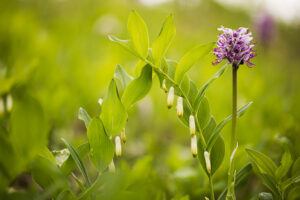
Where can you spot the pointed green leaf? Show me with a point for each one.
(113, 113)
(193, 92)
(185, 85)
(122, 76)
(101, 147)
(78, 161)
(296, 167)
(286, 163)
(190, 58)
(139, 33)
(267, 180)
(203, 113)
(126, 44)
(138, 88)
(84, 116)
(163, 41)
(69, 165)
(263, 162)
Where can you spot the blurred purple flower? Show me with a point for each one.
(265, 28)
(235, 46)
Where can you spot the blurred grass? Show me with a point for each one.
(65, 43)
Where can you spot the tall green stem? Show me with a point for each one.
(234, 107)
(211, 186)
(233, 141)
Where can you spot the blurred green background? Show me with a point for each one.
(58, 52)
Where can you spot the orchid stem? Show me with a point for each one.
(234, 107)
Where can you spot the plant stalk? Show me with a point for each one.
(233, 141)
(211, 186)
(234, 107)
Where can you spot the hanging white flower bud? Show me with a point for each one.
(111, 166)
(207, 161)
(164, 86)
(123, 135)
(179, 106)
(206, 198)
(9, 103)
(170, 97)
(118, 146)
(194, 148)
(192, 125)
(100, 101)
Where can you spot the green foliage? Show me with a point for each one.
(84, 116)
(139, 33)
(163, 41)
(113, 113)
(138, 88)
(122, 76)
(78, 161)
(190, 58)
(274, 177)
(101, 147)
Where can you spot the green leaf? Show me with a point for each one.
(239, 178)
(28, 128)
(126, 44)
(138, 88)
(69, 165)
(217, 154)
(286, 163)
(221, 125)
(193, 92)
(296, 167)
(208, 130)
(190, 58)
(163, 41)
(78, 161)
(113, 113)
(84, 116)
(293, 180)
(101, 147)
(138, 33)
(203, 113)
(202, 91)
(122, 76)
(267, 180)
(265, 196)
(185, 85)
(263, 162)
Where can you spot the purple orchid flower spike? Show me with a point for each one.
(235, 46)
